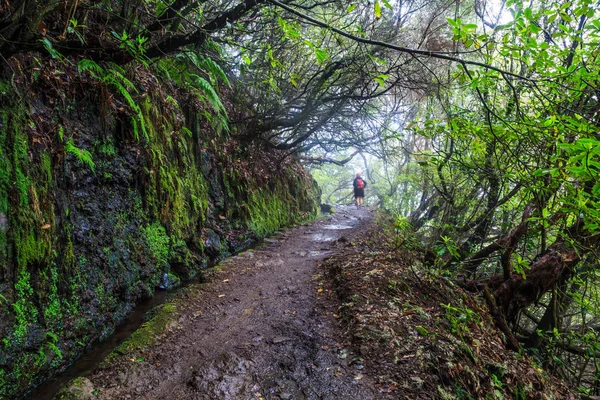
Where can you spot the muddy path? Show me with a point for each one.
(261, 327)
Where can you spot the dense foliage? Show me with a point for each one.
(507, 161)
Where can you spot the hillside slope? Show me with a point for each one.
(421, 334)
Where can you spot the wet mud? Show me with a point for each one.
(262, 326)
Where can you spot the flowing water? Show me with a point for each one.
(98, 352)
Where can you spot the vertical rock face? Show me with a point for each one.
(95, 210)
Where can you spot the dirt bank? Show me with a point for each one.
(262, 326)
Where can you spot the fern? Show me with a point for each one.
(208, 73)
(81, 154)
(118, 72)
(215, 69)
(136, 131)
(170, 100)
(186, 131)
(115, 76)
(117, 68)
(90, 66)
(208, 93)
(207, 66)
(211, 45)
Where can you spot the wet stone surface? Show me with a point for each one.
(261, 327)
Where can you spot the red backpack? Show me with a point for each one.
(360, 184)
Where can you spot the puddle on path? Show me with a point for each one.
(337, 227)
(319, 237)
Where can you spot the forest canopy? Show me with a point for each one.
(475, 121)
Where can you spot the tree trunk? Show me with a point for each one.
(517, 292)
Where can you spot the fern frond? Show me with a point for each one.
(118, 68)
(193, 57)
(118, 75)
(122, 90)
(81, 154)
(170, 100)
(209, 94)
(215, 70)
(186, 131)
(214, 46)
(90, 66)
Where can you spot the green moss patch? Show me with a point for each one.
(146, 335)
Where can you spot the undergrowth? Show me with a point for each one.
(419, 332)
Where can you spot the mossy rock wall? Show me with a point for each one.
(94, 210)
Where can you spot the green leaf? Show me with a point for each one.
(566, 17)
(351, 7)
(91, 66)
(321, 54)
(387, 4)
(381, 78)
(377, 9)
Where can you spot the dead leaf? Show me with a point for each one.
(42, 28)
(47, 226)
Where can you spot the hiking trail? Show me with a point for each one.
(261, 326)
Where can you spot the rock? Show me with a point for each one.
(326, 208)
(78, 389)
(281, 339)
(227, 377)
(212, 245)
(289, 390)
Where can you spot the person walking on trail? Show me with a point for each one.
(359, 189)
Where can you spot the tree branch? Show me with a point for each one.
(417, 52)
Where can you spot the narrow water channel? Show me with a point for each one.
(86, 364)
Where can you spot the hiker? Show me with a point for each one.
(359, 189)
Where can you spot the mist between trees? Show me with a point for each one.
(476, 125)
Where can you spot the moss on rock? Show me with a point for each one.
(78, 389)
(98, 202)
(147, 334)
